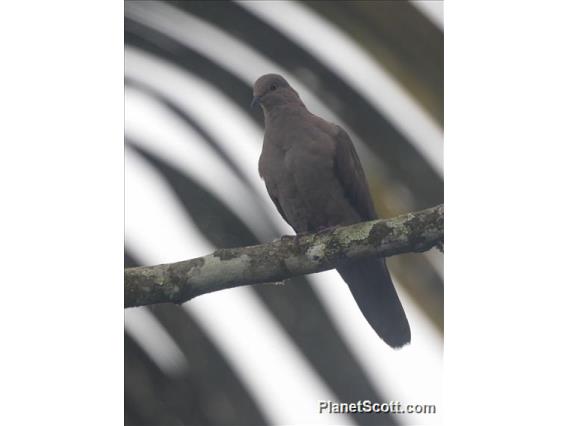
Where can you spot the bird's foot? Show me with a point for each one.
(324, 229)
(299, 235)
(293, 237)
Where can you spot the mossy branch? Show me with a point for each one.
(281, 259)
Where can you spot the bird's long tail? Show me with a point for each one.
(371, 285)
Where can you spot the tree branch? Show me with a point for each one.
(281, 259)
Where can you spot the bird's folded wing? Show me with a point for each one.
(351, 176)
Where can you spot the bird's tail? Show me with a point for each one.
(371, 285)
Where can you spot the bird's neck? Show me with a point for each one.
(284, 117)
(281, 102)
(284, 112)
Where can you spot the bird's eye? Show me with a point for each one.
(273, 87)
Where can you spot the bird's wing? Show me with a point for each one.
(368, 279)
(351, 176)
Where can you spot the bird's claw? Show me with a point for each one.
(323, 229)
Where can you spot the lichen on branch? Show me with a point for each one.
(281, 259)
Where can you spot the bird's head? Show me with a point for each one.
(272, 90)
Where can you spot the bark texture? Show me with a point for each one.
(281, 259)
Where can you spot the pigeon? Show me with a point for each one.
(314, 177)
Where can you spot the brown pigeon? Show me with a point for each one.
(314, 177)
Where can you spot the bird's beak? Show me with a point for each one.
(255, 101)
